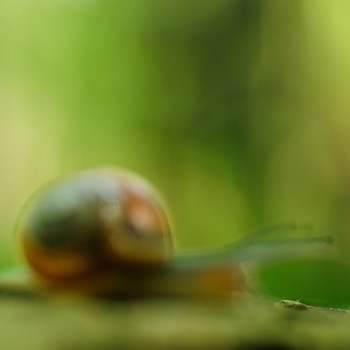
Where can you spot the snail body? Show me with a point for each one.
(106, 232)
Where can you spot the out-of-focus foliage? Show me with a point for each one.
(237, 110)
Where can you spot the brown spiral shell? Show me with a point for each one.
(96, 220)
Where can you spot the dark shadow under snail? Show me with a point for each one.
(107, 233)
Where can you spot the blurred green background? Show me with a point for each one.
(236, 110)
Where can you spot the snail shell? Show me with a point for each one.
(96, 220)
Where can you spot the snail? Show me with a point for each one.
(106, 232)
